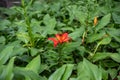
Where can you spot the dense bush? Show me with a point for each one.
(60, 40)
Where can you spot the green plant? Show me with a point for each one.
(86, 45)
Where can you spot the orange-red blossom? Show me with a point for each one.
(60, 38)
(95, 21)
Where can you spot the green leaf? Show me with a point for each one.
(95, 37)
(105, 41)
(115, 33)
(88, 71)
(62, 73)
(5, 54)
(104, 55)
(81, 17)
(67, 29)
(49, 25)
(113, 73)
(2, 40)
(7, 73)
(72, 12)
(34, 65)
(116, 18)
(4, 23)
(73, 79)
(118, 50)
(69, 47)
(109, 63)
(104, 74)
(116, 57)
(76, 13)
(43, 67)
(104, 21)
(28, 74)
(77, 33)
(34, 51)
(67, 72)
(19, 50)
(23, 36)
(118, 77)
(57, 75)
(100, 56)
(55, 7)
(50, 22)
(35, 25)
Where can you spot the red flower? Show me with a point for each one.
(60, 38)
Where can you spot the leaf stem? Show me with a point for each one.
(60, 55)
(96, 49)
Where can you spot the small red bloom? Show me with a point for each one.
(54, 41)
(60, 38)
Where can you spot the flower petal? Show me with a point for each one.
(58, 36)
(65, 37)
(54, 41)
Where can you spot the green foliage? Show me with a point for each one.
(103, 22)
(34, 65)
(24, 74)
(5, 54)
(62, 73)
(7, 73)
(92, 53)
(94, 37)
(88, 71)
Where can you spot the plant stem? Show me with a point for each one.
(96, 49)
(60, 56)
(27, 20)
(92, 54)
(83, 36)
